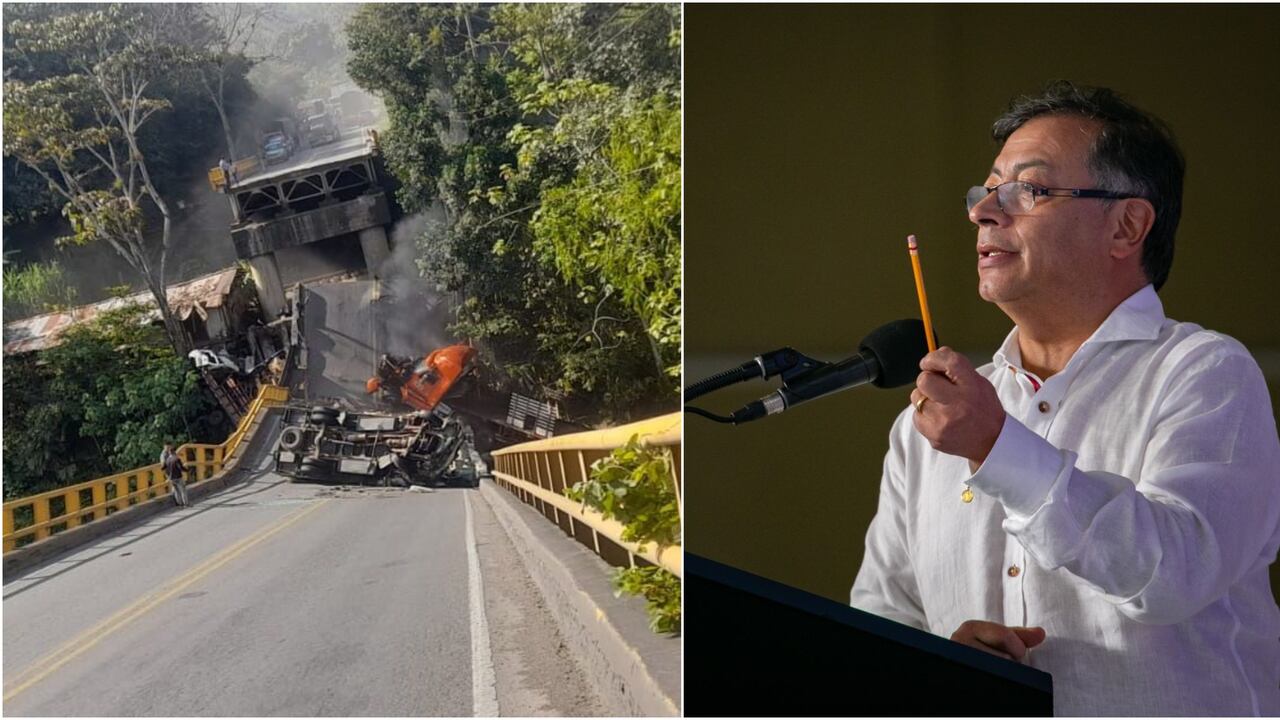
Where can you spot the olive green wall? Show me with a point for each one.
(818, 137)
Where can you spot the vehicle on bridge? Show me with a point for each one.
(322, 129)
(422, 385)
(329, 444)
(276, 148)
(278, 140)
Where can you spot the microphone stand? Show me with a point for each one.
(783, 361)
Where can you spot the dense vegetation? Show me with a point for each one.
(104, 401)
(635, 485)
(36, 288)
(106, 121)
(549, 135)
(102, 105)
(177, 141)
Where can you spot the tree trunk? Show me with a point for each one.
(216, 96)
(177, 336)
(219, 102)
(226, 131)
(181, 342)
(172, 326)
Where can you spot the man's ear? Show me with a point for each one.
(1134, 219)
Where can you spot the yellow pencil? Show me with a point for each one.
(914, 249)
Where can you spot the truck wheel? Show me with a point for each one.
(323, 416)
(291, 438)
(315, 469)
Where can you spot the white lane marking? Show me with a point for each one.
(484, 687)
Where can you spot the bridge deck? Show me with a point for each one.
(274, 598)
(352, 146)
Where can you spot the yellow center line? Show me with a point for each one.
(91, 637)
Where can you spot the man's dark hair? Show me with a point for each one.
(1133, 153)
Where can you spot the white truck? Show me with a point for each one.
(329, 444)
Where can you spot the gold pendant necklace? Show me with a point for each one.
(967, 495)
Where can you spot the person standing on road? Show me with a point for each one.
(174, 470)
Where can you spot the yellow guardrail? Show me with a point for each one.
(538, 472)
(36, 517)
(242, 169)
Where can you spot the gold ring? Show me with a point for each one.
(920, 404)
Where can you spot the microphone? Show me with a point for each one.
(784, 361)
(888, 357)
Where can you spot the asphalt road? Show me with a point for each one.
(281, 599)
(351, 144)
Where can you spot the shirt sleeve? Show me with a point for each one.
(886, 583)
(1166, 544)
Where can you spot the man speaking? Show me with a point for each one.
(1102, 500)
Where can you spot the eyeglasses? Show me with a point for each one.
(1018, 197)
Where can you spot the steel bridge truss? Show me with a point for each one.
(306, 189)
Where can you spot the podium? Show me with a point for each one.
(754, 647)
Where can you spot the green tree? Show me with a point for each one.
(219, 36)
(42, 449)
(612, 95)
(27, 197)
(104, 400)
(78, 122)
(465, 88)
(616, 223)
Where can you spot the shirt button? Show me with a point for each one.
(1044, 406)
(1014, 571)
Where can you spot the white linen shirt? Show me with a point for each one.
(1130, 506)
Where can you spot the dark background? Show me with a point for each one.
(818, 137)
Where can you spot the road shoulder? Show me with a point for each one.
(634, 671)
(536, 672)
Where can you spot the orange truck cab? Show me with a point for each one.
(423, 385)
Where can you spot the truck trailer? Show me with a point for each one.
(332, 444)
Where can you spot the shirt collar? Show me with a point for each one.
(1139, 317)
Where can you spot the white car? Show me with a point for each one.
(213, 361)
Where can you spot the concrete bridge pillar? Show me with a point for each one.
(373, 241)
(270, 289)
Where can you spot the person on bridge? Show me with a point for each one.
(228, 174)
(174, 471)
(1106, 490)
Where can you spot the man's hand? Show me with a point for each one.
(962, 415)
(1010, 643)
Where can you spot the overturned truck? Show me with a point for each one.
(326, 444)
